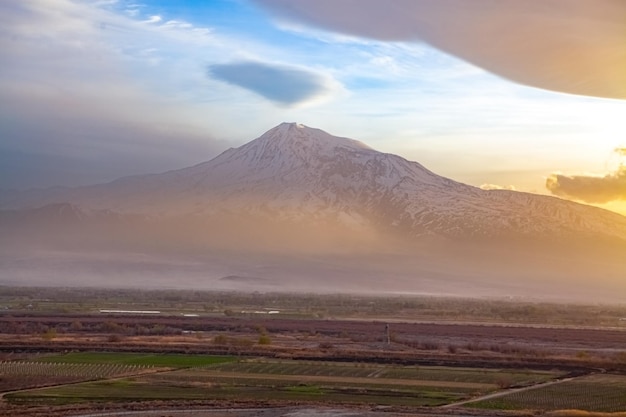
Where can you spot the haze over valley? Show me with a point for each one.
(298, 209)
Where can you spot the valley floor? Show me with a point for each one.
(87, 360)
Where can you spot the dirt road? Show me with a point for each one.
(507, 392)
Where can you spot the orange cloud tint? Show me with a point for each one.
(589, 188)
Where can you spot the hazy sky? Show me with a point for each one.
(94, 90)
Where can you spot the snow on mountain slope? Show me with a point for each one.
(298, 173)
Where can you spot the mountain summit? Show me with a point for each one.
(297, 190)
(297, 172)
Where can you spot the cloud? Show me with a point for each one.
(153, 19)
(574, 47)
(497, 187)
(83, 95)
(589, 188)
(281, 84)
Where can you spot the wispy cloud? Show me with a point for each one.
(153, 19)
(278, 83)
(576, 49)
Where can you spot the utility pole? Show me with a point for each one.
(387, 334)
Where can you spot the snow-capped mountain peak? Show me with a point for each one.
(300, 173)
(288, 145)
(296, 134)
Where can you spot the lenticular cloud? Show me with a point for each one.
(281, 84)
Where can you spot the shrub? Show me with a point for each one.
(49, 334)
(583, 354)
(264, 340)
(114, 338)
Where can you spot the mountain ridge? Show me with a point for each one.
(301, 173)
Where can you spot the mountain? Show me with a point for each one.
(302, 202)
(294, 172)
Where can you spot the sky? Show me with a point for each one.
(529, 96)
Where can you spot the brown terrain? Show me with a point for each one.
(483, 345)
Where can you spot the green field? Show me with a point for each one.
(192, 377)
(141, 389)
(138, 359)
(495, 377)
(77, 367)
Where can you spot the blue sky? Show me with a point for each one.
(97, 89)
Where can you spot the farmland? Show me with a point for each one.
(491, 377)
(262, 380)
(18, 375)
(77, 367)
(135, 359)
(604, 393)
(61, 350)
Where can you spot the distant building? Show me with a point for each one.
(130, 312)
